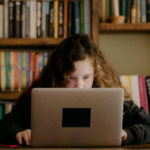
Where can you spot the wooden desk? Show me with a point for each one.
(126, 147)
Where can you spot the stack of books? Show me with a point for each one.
(135, 11)
(19, 69)
(139, 89)
(53, 18)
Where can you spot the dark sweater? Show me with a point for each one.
(136, 123)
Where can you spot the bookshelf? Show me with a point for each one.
(126, 27)
(50, 43)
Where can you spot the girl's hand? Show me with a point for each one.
(124, 135)
(26, 135)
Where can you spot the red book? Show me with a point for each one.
(8, 145)
(142, 91)
(36, 66)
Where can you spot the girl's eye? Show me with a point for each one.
(86, 77)
(71, 78)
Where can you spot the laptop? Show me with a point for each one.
(73, 117)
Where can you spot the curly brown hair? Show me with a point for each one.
(61, 64)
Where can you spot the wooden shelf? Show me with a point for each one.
(126, 27)
(9, 96)
(27, 42)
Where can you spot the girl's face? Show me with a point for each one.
(83, 76)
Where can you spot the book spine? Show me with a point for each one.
(19, 71)
(31, 67)
(87, 17)
(122, 8)
(103, 2)
(7, 108)
(77, 17)
(36, 66)
(23, 19)
(60, 20)
(147, 80)
(45, 57)
(3, 72)
(70, 5)
(33, 63)
(135, 90)
(111, 11)
(123, 81)
(128, 85)
(27, 29)
(65, 18)
(47, 17)
(116, 4)
(6, 27)
(51, 28)
(18, 24)
(143, 11)
(27, 69)
(138, 12)
(142, 91)
(24, 70)
(1, 20)
(1, 111)
(128, 15)
(40, 63)
(0, 73)
(43, 19)
(107, 10)
(39, 19)
(148, 10)
(56, 19)
(81, 16)
(6, 71)
(133, 11)
(16, 72)
(12, 76)
(32, 19)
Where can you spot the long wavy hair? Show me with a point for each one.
(61, 64)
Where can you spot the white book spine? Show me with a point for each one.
(6, 29)
(12, 85)
(1, 21)
(8, 108)
(135, 90)
(123, 81)
(43, 19)
(87, 17)
(32, 19)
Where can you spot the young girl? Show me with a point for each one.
(76, 63)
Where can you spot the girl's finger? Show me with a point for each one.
(29, 135)
(25, 136)
(19, 138)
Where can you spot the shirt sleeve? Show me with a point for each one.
(11, 124)
(136, 123)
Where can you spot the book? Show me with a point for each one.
(122, 8)
(128, 85)
(43, 19)
(138, 12)
(24, 19)
(7, 108)
(40, 63)
(39, 19)
(27, 26)
(3, 72)
(10, 145)
(55, 18)
(51, 19)
(103, 11)
(27, 69)
(65, 17)
(18, 21)
(6, 28)
(107, 10)
(76, 17)
(135, 90)
(47, 9)
(148, 10)
(111, 11)
(32, 19)
(128, 11)
(133, 11)
(16, 72)
(8, 72)
(31, 55)
(143, 95)
(70, 19)
(60, 19)
(147, 81)
(36, 66)
(1, 111)
(143, 11)
(19, 71)
(24, 78)
(45, 57)
(12, 71)
(87, 17)
(1, 20)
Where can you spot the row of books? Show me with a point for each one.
(5, 107)
(135, 11)
(19, 69)
(53, 18)
(139, 89)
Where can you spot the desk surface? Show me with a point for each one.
(126, 147)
